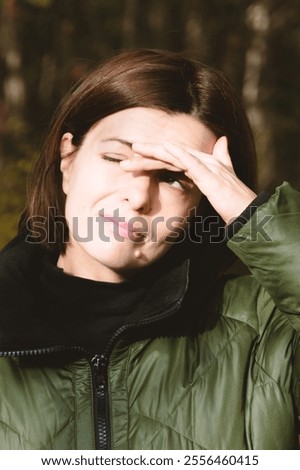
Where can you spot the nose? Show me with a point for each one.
(139, 192)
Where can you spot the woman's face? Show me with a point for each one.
(119, 220)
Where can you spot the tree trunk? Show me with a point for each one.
(258, 20)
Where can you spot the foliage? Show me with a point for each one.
(13, 183)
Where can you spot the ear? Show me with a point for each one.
(67, 152)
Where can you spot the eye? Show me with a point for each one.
(175, 179)
(110, 158)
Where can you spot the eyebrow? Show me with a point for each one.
(121, 141)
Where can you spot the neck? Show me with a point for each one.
(95, 271)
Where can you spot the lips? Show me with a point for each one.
(124, 229)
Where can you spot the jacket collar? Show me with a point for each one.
(22, 325)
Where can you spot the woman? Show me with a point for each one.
(118, 329)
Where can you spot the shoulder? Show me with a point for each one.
(20, 267)
(19, 261)
(246, 301)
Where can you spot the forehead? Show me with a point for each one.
(146, 125)
(117, 142)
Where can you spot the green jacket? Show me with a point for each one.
(163, 385)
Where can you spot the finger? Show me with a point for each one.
(141, 163)
(203, 169)
(148, 149)
(198, 171)
(157, 151)
(188, 160)
(178, 156)
(193, 158)
(172, 154)
(221, 152)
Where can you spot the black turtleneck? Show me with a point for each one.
(42, 307)
(87, 312)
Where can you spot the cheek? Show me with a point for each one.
(167, 228)
(181, 207)
(182, 202)
(193, 204)
(178, 215)
(86, 188)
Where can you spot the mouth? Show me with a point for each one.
(125, 229)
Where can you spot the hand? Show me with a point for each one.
(212, 174)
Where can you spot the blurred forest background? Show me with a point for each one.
(46, 46)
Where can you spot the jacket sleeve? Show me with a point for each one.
(269, 244)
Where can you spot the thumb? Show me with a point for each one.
(221, 151)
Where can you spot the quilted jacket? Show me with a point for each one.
(164, 382)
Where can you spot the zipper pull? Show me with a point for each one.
(99, 365)
(96, 363)
(99, 362)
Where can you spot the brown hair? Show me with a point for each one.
(140, 77)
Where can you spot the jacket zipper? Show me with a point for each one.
(41, 351)
(99, 367)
